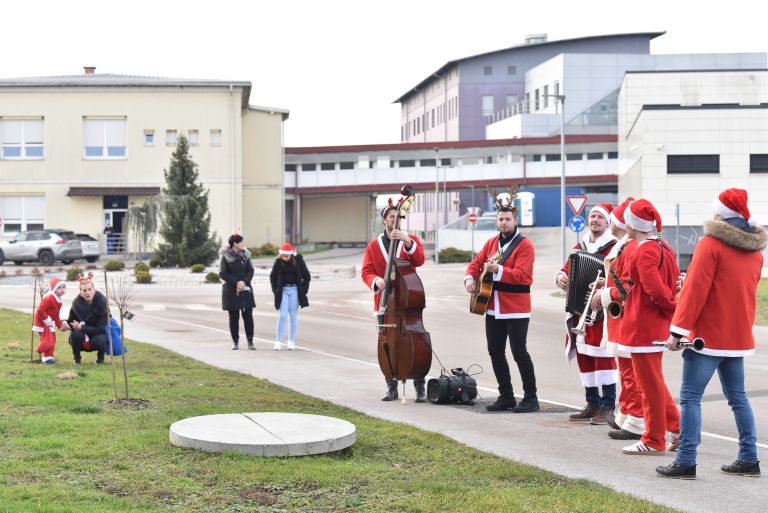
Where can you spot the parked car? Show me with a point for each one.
(90, 247)
(44, 246)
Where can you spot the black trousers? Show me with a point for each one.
(234, 323)
(496, 333)
(98, 344)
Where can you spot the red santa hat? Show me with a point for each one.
(641, 215)
(287, 249)
(604, 209)
(617, 214)
(56, 283)
(732, 203)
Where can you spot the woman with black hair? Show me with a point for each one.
(290, 284)
(236, 270)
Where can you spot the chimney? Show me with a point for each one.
(89, 70)
(535, 39)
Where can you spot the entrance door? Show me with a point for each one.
(115, 210)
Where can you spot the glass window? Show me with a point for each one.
(537, 157)
(536, 100)
(215, 137)
(327, 166)
(613, 154)
(21, 213)
(545, 96)
(511, 104)
(407, 163)
(511, 70)
(346, 165)
(290, 167)
(692, 164)
(594, 156)
(527, 103)
(553, 157)
(574, 156)
(487, 70)
(487, 105)
(758, 163)
(21, 138)
(427, 162)
(105, 138)
(170, 137)
(193, 137)
(309, 167)
(149, 137)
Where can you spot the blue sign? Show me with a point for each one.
(577, 224)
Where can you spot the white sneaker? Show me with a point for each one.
(641, 449)
(291, 345)
(674, 442)
(278, 346)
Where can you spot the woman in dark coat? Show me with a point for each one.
(290, 284)
(88, 319)
(236, 270)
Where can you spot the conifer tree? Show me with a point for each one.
(186, 221)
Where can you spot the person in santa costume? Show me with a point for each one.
(290, 283)
(375, 266)
(46, 320)
(509, 257)
(597, 367)
(717, 304)
(88, 320)
(647, 314)
(628, 423)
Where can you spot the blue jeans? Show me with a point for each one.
(697, 371)
(289, 307)
(608, 399)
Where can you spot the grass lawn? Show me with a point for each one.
(762, 303)
(65, 448)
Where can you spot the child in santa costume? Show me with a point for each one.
(717, 304)
(647, 315)
(47, 320)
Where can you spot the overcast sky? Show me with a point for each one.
(338, 65)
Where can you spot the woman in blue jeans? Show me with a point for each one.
(718, 304)
(290, 283)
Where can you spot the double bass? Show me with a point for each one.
(404, 346)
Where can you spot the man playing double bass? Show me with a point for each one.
(374, 268)
(509, 257)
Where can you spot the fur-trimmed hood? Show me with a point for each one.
(736, 237)
(231, 258)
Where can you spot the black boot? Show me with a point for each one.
(235, 345)
(391, 391)
(675, 471)
(251, 346)
(421, 394)
(529, 404)
(503, 403)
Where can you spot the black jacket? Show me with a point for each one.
(232, 270)
(302, 278)
(94, 315)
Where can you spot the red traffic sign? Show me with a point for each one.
(472, 218)
(576, 203)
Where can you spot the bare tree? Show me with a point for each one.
(122, 293)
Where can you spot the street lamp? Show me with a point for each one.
(561, 99)
(437, 190)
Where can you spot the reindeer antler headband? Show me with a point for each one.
(84, 279)
(504, 199)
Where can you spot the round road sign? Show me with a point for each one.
(472, 218)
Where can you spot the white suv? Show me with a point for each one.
(44, 246)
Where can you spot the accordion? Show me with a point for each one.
(582, 271)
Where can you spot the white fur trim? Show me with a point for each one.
(640, 349)
(725, 352)
(615, 221)
(498, 273)
(59, 284)
(636, 223)
(613, 348)
(373, 283)
(679, 331)
(594, 351)
(37, 329)
(601, 241)
(723, 211)
(413, 248)
(603, 212)
(599, 378)
(633, 424)
(287, 252)
(605, 296)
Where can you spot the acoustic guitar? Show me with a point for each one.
(478, 302)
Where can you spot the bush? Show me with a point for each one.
(455, 256)
(255, 251)
(155, 262)
(212, 278)
(74, 273)
(114, 265)
(268, 250)
(143, 277)
(197, 268)
(140, 267)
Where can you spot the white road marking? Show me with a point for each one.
(153, 307)
(198, 307)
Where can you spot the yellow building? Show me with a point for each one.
(77, 151)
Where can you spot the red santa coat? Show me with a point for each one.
(517, 269)
(651, 302)
(620, 254)
(718, 299)
(46, 320)
(376, 258)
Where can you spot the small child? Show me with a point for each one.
(47, 320)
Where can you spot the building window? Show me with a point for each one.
(511, 104)
(445, 162)
(406, 163)
(511, 70)
(557, 88)
(309, 167)
(433, 118)
(536, 100)
(692, 164)
(487, 70)
(327, 166)
(105, 138)
(290, 167)
(613, 154)
(216, 137)
(758, 163)
(170, 137)
(536, 157)
(487, 105)
(545, 96)
(574, 156)
(149, 137)
(346, 165)
(553, 157)
(427, 163)
(527, 103)
(193, 137)
(22, 213)
(21, 138)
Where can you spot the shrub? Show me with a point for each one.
(114, 265)
(268, 250)
(455, 256)
(143, 277)
(197, 268)
(73, 273)
(91, 266)
(255, 251)
(140, 267)
(212, 278)
(155, 262)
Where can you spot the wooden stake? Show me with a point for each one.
(32, 336)
(109, 336)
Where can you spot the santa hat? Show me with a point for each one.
(617, 214)
(641, 215)
(604, 209)
(732, 203)
(56, 283)
(287, 249)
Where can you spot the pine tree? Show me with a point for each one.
(186, 221)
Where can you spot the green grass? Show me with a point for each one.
(65, 448)
(761, 318)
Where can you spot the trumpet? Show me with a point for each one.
(615, 309)
(697, 343)
(590, 315)
(679, 284)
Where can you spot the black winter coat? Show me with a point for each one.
(302, 277)
(232, 270)
(93, 314)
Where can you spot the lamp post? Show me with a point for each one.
(561, 99)
(437, 190)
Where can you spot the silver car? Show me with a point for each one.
(44, 246)
(90, 247)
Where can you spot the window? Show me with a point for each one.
(433, 118)
(193, 137)
(487, 105)
(553, 157)
(545, 96)
(309, 167)
(536, 100)
(557, 88)
(216, 137)
(690, 164)
(445, 162)
(527, 103)
(346, 165)
(511, 70)
(105, 138)
(427, 162)
(613, 154)
(327, 166)
(290, 167)
(21, 138)
(170, 137)
(407, 163)
(594, 156)
(758, 163)
(149, 137)
(574, 156)
(512, 104)
(22, 213)
(487, 70)
(537, 157)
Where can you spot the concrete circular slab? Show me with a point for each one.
(264, 434)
